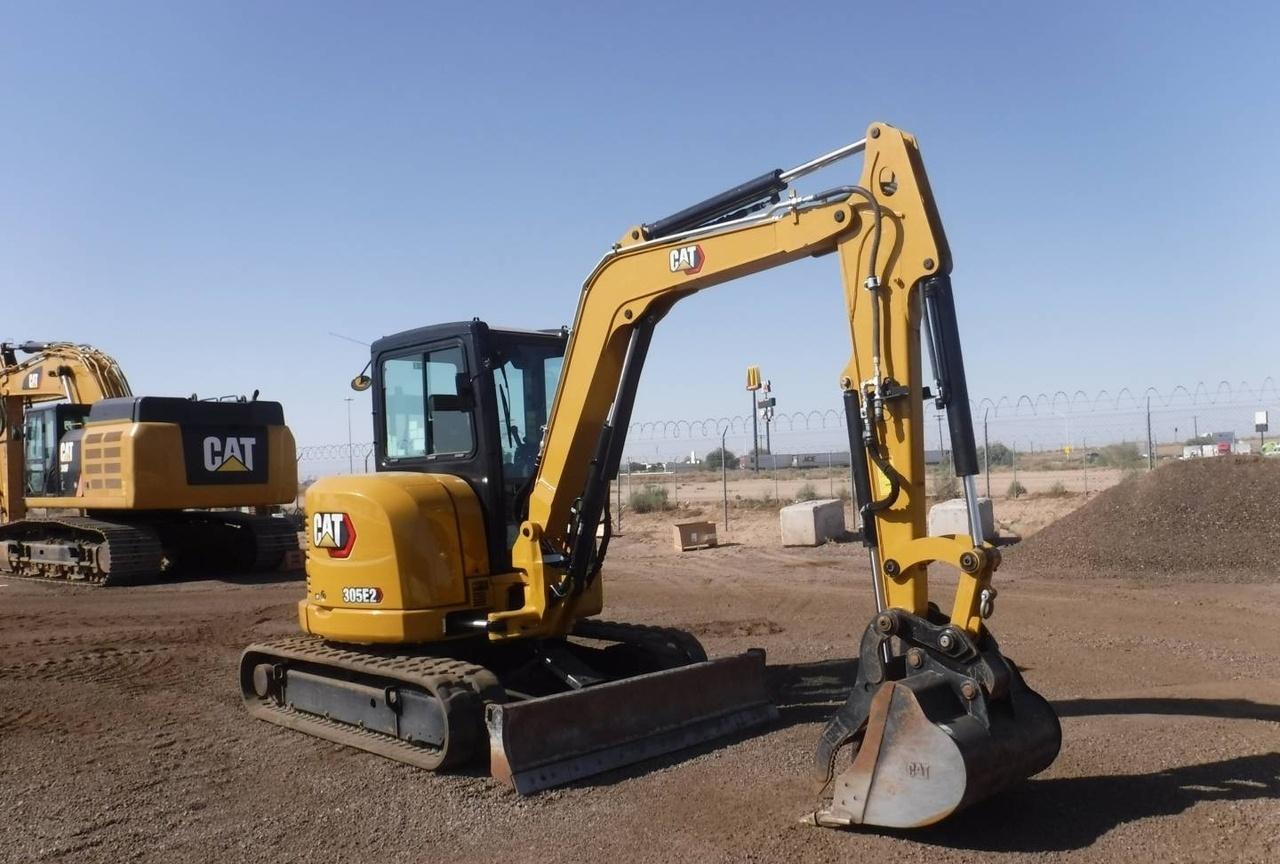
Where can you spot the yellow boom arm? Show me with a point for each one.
(55, 370)
(890, 242)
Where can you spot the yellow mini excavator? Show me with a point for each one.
(100, 486)
(455, 590)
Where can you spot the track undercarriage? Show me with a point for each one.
(550, 712)
(122, 549)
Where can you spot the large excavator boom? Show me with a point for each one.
(53, 371)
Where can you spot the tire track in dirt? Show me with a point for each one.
(129, 670)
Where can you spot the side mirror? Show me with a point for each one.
(361, 383)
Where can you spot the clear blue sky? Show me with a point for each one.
(206, 190)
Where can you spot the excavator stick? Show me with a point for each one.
(540, 743)
(932, 729)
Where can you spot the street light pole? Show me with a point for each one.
(351, 463)
(986, 450)
(1151, 449)
(755, 434)
(724, 478)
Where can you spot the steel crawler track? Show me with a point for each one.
(460, 688)
(80, 549)
(106, 553)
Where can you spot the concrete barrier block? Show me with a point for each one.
(812, 523)
(951, 517)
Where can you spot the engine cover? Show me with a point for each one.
(390, 555)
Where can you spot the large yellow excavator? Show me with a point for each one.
(100, 486)
(454, 590)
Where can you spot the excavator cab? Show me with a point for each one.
(49, 447)
(471, 401)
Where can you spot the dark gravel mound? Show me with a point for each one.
(1217, 517)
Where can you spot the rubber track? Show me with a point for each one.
(133, 552)
(462, 689)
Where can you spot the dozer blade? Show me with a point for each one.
(550, 741)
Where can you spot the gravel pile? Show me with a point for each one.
(1218, 517)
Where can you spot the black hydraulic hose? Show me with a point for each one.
(602, 547)
(858, 466)
(890, 473)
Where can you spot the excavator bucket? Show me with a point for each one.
(553, 740)
(931, 737)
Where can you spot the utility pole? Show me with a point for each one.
(765, 407)
(986, 451)
(755, 435)
(753, 384)
(351, 463)
(1195, 423)
(724, 478)
(1084, 463)
(1151, 449)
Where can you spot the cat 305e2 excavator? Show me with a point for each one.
(454, 589)
(125, 488)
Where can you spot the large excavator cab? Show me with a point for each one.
(49, 447)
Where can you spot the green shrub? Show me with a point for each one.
(807, 492)
(1057, 490)
(1120, 456)
(1016, 490)
(999, 454)
(717, 457)
(648, 499)
(945, 484)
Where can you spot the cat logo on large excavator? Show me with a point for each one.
(228, 454)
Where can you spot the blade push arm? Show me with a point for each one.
(889, 243)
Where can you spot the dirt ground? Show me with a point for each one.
(124, 740)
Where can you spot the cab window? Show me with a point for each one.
(425, 413)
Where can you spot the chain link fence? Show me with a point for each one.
(1044, 443)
